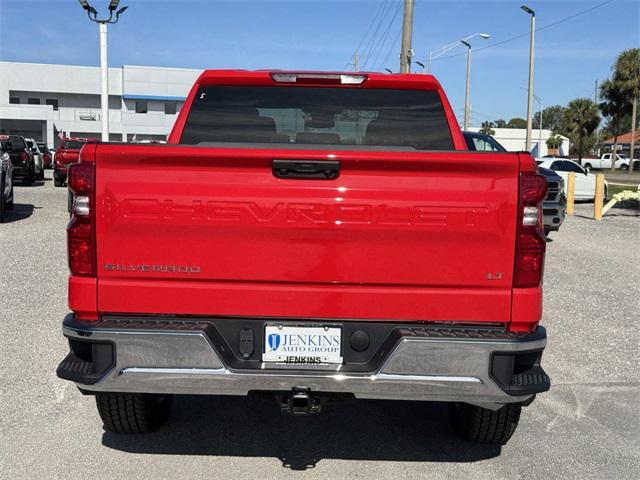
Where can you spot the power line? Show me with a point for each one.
(526, 34)
(395, 42)
(382, 42)
(369, 48)
(371, 23)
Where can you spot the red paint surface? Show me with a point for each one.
(419, 236)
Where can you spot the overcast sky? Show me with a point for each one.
(322, 35)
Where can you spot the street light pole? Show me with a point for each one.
(530, 93)
(442, 50)
(92, 13)
(104, 82)
(466, 90)
(433, 54)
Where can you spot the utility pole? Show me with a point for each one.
(530, 93)
(595, 100)
(355, 61)
(540, 129)
(406, 51)
(467, 107)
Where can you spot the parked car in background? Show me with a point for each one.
(67, 154)
(6, 183)
(37, 158)
(604, 162)
(555, 204)
(21, 158)
(585, 185)
(47, 156)
(480, 142)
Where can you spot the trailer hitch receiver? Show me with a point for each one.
(300, 401)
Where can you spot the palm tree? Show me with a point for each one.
(627, 76)
(581, 119)
(486, 128)
(615, 109)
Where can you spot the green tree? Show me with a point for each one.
(581, 120)
(552, 119)
(517, 123)
(615, 108)
(500, 123)
(486, 128)
(627, 77)
(554, 142)
(606, 130)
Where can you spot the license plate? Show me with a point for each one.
(302, 345)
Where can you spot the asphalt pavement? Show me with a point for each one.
(587, 426)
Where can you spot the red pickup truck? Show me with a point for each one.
(68, 153)
(312, 236)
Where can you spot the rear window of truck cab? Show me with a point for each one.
(307, 117)
(72, 145)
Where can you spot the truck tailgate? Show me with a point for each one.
(211, 231)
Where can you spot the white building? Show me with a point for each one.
(42, 100)
(515, 140)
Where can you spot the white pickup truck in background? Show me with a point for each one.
(622, 162)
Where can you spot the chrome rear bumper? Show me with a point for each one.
(416, 368)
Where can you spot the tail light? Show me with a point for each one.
(24, 157)
(531, 241)
(80, 231)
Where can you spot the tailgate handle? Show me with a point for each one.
(321, 170)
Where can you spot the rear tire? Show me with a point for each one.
(133, 412)
(587, 167)
(2, 204)
(57, 183)
(481, 425)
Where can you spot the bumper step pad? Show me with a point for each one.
(76, 369)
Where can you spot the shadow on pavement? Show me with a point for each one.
(627, 205)
(20, 212)
(358, 430)
(36, 183)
